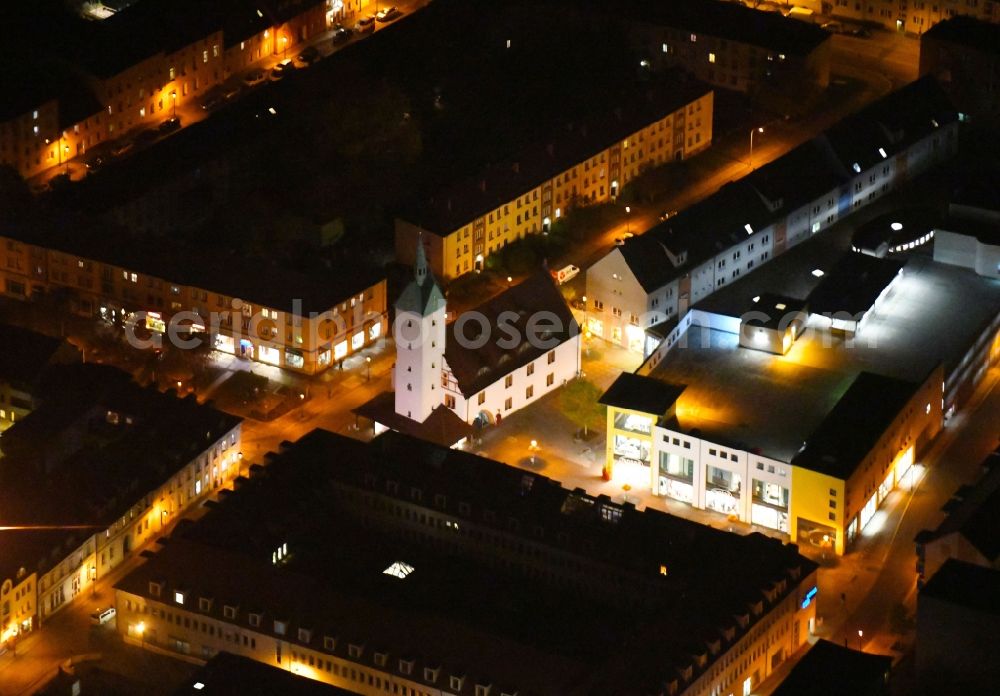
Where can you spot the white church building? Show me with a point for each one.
(491, 361)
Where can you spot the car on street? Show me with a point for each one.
(309, 55)
(254, 77)
(213, 101)
(388, 14)
(102, 616)
(147, 137)
(365, 24)
(564, 275)
(341, 34)
(861, 32)
(169, 126)
(94, 163)
(667, 214)
(122, 148)
(282, 69)
(833, 27)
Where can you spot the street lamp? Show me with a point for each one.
(140, 628)
(173, 103)
(628, 229)
(861, 634)
(509, 281)
(759, 129)
(93, 581)
(533, 447)
(284, 46)
(368, 366)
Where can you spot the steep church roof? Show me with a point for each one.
(422, 296)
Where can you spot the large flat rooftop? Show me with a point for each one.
(933, 313)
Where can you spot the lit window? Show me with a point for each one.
(34, 115)
(198, 686)
(711, 57)
(179, 597)
(817, 272)
(357, 340)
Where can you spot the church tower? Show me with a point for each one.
(419, 331)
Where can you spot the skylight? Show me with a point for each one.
(857, 168)
(780, 305)
(896, 226)
(748, 228)
(817, 272)
(756, 298)
(398, 570)
(881, 151)
(198, 686)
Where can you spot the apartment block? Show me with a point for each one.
(399, 619)
(588, 163)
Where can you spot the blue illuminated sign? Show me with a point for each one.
(809, 597)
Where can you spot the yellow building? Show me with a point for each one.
(590, 164)
(912, 16)
(287, 319)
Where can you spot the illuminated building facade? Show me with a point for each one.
(824, 496)
(591, 163)
(298, 321)
(654, 278)
(143, 456)
(912, 17)
(404, 506)
(139, 65)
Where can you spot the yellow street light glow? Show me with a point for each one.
(140, 627)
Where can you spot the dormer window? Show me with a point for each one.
(483, 689)
(329, 643)
(431, 674)
(354, 650)
(154, 589)
(305, 635)
(380, 659)
(204, 604)
(406, 667)
(456, 683)
(254, 620)
(229, 612)
(179, 596)
(280, 627)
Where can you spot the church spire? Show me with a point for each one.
(420, 265)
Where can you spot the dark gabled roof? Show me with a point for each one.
(253, 279)
(639, 105)
(967, 31)
(648, 260)
(853, 284)
(976, 516)
(853, 427)
(777, 189)
(442, 427)
(728, 20)
(643, 394)
(537, 303)
(829, 669)
(234, 675)
(24, 354)
(966, 584)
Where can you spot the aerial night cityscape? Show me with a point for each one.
(500, 348)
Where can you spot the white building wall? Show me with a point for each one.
(420, 343)
(565, 366)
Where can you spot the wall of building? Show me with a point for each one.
(284, 339)
(912, 17)
(967, 251)
(100, 553)
(18, 605)
(527, 384)
(596, 179)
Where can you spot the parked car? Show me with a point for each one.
(213, 101)
(620, 241)
(102, 616)
(254, 77)
(861, 32)
(667, 214)
(388, 14)
(833, 27)
(147, 137)
(309, 55)
(122, 148)
(341, 34)
(282, 69)
(365, 24)
(94, 163)
(169, 126)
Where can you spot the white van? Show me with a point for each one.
(102, 616)
(803, 14)
(564, 275)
